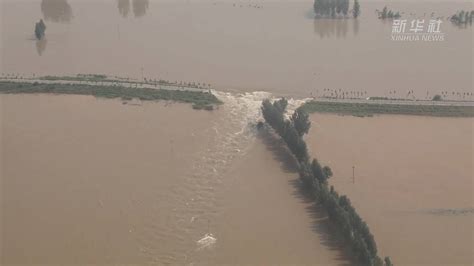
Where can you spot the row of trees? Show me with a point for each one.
(388, 14)
(333, 8)
(140, 7)
(462, 17)
(314, 177)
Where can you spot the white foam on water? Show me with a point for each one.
(293, 104)
(206, 242)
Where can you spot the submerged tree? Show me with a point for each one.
(345, 7)
(437, 97)
(462, 18)
(383, 15)
(40, 29)
(140, 7)
(123, 7)
(331, 8)
(356, 11)
(388, 14)
(56, 10)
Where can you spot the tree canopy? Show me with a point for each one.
(331, 8)
(356, 10)
(437, 97)
(388, 14)
(462, 18)
(40, 29)
(301, 121)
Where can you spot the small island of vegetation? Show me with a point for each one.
(348, 224)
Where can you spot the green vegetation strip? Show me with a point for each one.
(370, 109)
(200, 100)
(79, 77)
(349, 225)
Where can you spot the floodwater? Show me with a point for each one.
(274, 46)
(100, 181)
(413, 181)
(89, 181)
(266, 220)
(92, 181)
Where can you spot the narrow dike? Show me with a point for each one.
(348, 224)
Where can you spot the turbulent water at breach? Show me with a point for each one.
(196, 199)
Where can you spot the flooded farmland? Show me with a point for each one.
(98, 181)
(279, 47)
(414, 181)
(101, 181)
(87, 181)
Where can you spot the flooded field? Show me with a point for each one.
(279, 47)
(92, 181)
(266, 220)
(413, 181)
(95, 181)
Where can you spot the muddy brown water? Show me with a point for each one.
(94, 181)
(98, 181)
(414, 181)
(278, 47)
(88, 180)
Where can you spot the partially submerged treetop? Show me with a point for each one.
(40, 29)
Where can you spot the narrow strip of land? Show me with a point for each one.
(202, 98)
(198, 98)
(364, 108)
(96, 79)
